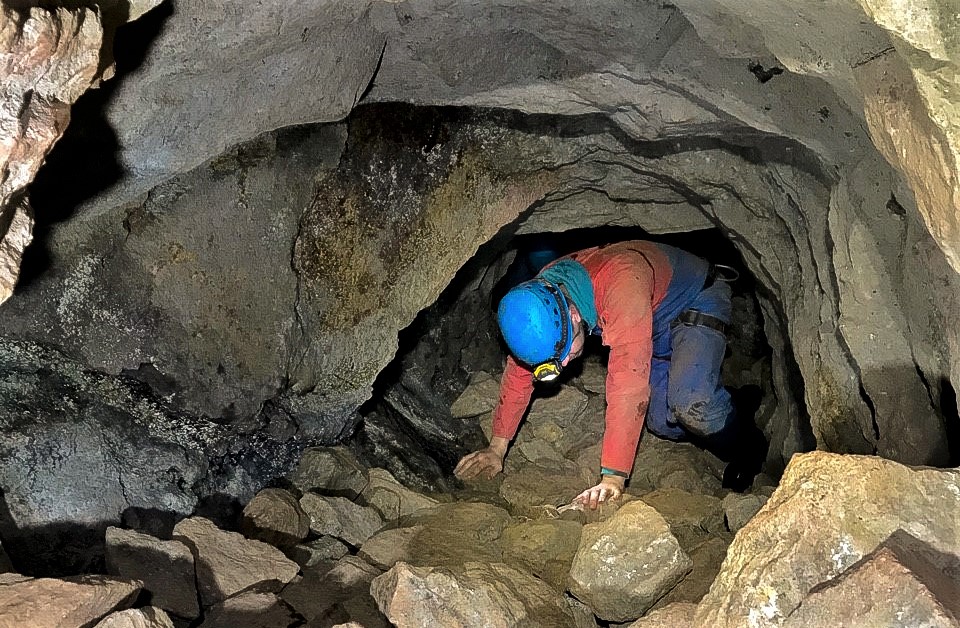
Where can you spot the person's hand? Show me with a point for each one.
(610, 487)
(486, 462)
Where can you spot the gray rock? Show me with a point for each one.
(478, 398)
(331, 471)
(322, 588)
(739, 509)
(251, 609)
(228, 563)
(340, 517)
(707, 558)
(326, 548)
(692, 517)
(166, 569)
(275, 516)
(474, 594)
(627, 563)
(392, 499)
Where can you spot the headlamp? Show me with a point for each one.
(547, 372)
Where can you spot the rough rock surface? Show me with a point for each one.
(707, 558)
(691, 517)
(137, 618)
(166, 569)
(392, 499)
(340, 517)
(326, 548)
(677, 615)
(227, 563)
(627, 563)
(79, 601)
(739, 509)
(896, 585)
(457, 533)
(828, 513)
(544, 548)
(473, 595)
(48, 58)
(322, 588)
(275, 516)
(331, 471)
(251, 609)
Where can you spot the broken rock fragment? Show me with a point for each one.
(331, 471)
(676, 615)
(472, 595)
(739, 509)
(137, 618)
(326, 548)
(340, 517)
(228, 562)
(627, 563)
(544, 548)
(275, 516)
(166, 569)
(251, 609)
(78, 601)
(322, 587)
(392, 499)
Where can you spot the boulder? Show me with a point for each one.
(392, 499)
(227, 562)
(665, 464)
(473, 595)
(544, 548)
(251, 609)
(707, 558)
(340, 517)
(166, 569)
(676, 615)
(330, 470)
(739, 509)
(137, 618)
(829, 511)
(478, 398)
(389, 547)
(531, 487)
(275, 516)
(322, 588)
(457, 533)
(326, 548)
(78, 601)
(692, 517)
(627, 563)
(902, 584)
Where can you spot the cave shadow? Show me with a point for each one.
(85, 160)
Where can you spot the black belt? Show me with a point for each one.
(696, 318)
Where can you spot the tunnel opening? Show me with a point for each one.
(408, 425)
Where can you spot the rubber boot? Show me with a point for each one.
(741, 444)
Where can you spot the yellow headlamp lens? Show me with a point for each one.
(546, 372)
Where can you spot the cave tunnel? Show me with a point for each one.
(250, 263)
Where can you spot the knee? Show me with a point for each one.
(691, 414)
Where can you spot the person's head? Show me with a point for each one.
(541, 326)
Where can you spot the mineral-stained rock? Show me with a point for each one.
(829, 512)
(330, 471)
(473, 595)
(322, 588)
(137, 618)
(166, 569)
(325, 548)
(676, 615)
(388, 547)
(227, 562)
(79, 601)
(627, 563)
(545, 548)
(392, 499)
(340, 517)
(901, 584)
(691, 516)
(739, 509)
(275, 516)
(251, 609)
(457, 533)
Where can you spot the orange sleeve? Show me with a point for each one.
(627, 330)
(516, 388)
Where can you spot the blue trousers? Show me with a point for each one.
(686, 397)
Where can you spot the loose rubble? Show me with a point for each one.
(842, 538)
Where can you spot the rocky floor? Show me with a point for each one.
(843, 540)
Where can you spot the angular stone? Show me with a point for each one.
(707, 558)
(472, 595)
(166, 569)
(340, 517)
(544, 548)
(275, 516)
(739, 509)
(392, 499)
(389, 547)
(901, 584)
(627, 563)
(78, 601)
(457, 533)
(692, 517)
(676, 615)
(330, 470)
(251, 609)
(829, 511)
(528, 490)
(137, 618)
(479, 397)
(326, 548)
(664, 464)
(321, 589)
(227, 562)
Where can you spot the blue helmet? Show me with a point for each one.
(535, 322)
